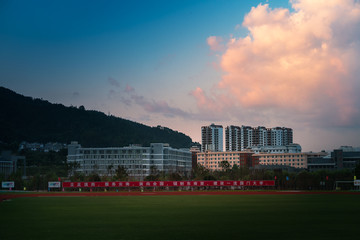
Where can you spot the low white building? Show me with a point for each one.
(139, 161)
(291, 148)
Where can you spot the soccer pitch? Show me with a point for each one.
(311, 216)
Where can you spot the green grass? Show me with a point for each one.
(182, 217)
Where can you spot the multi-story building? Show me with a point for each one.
(9, 163)
(345, 157)
(321, 163)
(212, 160)
(277, 137)
(246, 137)
(139, 161)
(291, 148)
(47, 147)
(232, 138)
(287, 136)
(260, 136)
(212, 138)
(296, 160)
(194, 151)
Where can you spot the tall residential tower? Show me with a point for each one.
(212, 138)
(245, 137)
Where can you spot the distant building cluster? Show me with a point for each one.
(245, 137)
(262, 147)
(40, 147)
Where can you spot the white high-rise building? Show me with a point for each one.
(277, 136)
(232, 138)
(246, 137)
(212, 138)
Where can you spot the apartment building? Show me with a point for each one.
(232, 138)
(212, 138)
(246, 137)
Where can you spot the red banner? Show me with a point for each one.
(169, 184)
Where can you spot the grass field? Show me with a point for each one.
(314, 216)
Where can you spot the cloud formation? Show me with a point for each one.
(113, 82)
(131, 97)
(301, 62)
(215, 43)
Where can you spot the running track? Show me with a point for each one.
(6, 196)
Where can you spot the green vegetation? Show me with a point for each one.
(42, 163)
(35, 120)
(182, 217)
(44, 167)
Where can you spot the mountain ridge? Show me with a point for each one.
(24, 118)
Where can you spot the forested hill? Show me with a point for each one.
(35, 120)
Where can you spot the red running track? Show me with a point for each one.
(6, 196)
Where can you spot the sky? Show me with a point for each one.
(186, 64)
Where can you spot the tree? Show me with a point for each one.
(72, 167)
(357, 171)
(304, 180)
(154, 174)
(225, 166)
(235, 172)
(121, 173)
(77, 177)
(109, 169)
(174, 176)
(199, 172)
(94, 177)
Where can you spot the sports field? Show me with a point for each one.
(256, 216)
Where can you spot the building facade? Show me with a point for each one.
(137, 160)
(296, 160)
(194, 151)
(261, 136)
(246, 137)
(9, 163)
(212, 138)
(232, 138)
(292, 148)
(346, 157)
(212, 160)
(321, 163)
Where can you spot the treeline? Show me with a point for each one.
(35, 120)
(284, 180)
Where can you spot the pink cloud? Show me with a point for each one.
(215, 43)
(129, 89)
(302, 63)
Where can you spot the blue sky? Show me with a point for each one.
(147, 61)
